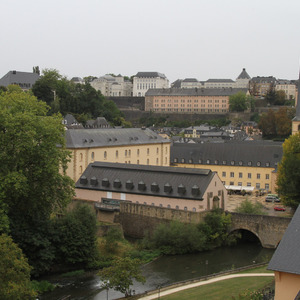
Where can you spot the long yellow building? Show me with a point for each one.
(240, 165)
(123, 145)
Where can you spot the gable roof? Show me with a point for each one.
(149, 176)
(100, 137)
(287, 255)
(232, 153)
(24, 79)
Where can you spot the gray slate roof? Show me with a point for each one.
(150, 75)
(220, 80)
(231, 153)
(100, 137)
(190, 80)
(244, 75)
(194, 92)
(24, 79)
(262, 79)
(149, 175)
(287, 255)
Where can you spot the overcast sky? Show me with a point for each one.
(192, 38)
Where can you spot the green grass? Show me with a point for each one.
(222, 290)
(257, 270)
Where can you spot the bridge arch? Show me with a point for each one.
(246, 234)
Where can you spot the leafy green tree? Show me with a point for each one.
(14, 272)
(121, 274)
(283, 123)
(237, 102)
(289, 172)
(247, 207)
(75, 236)
(271, 96)
(32, 154)
(267, 124)
(280, 97)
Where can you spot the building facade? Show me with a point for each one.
(241, 165)
(143, 81)
(242, 81)
(109, 184)
(296, 119)
(125, 145)
(260, 86)
(288, 87)
(113, 86)
(174, 100)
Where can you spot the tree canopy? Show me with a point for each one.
(288, 178)
(33, 158)
(65, 96)
(240, 102)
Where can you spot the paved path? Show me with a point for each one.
(199, 283)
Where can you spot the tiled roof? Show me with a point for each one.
(92, 138)
(150, 75)
(194, 92)
(287, 255)
(146, 180)
(21, 78)
(232, 153)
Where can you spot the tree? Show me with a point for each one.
(14, 272)
(247, 207)
(76, 236)
(283, 123)
(271, 96)
(280, 97)
(237, 102)
(121, 274)
(289, 172)
(32, 154)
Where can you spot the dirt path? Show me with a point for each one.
(192, 285)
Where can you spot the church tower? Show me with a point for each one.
(296, 120)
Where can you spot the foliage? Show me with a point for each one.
(289, 172)
(73, 273)
(276, 124)
(14, 272)
(75, 236)
(65, 96)
(237, 102)
(113, 236)
(121, 274)
(247, 207)
(4, 221)
(31, 184)
(42, 286)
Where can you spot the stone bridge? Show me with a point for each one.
(268, 229)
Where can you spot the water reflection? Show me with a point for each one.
(170, 269)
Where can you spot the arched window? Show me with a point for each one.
(80, 156)
(93, 155)
(157, 150)
(105, 155)
(117, 153)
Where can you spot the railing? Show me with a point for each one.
(107, 207)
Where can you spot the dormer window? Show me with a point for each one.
(258, 163)
(232, 162)
(249, 163)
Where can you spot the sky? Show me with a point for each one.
(199, 39)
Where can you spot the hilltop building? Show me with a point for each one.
(245, 165)
(108, 184)
(260, 86)
(143, 81)
(288, 86)
(113, 86)
(123, 145)
(242, 81)
(174, 100)
(296, 119)
(25, 80)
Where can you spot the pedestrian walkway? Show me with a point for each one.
(199, 283)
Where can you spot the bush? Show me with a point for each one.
(247, 207)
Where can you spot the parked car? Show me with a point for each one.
(272, 199)
(279, 208)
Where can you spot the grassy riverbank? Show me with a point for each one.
(226, 289)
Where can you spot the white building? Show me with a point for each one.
(143, 81)
(242, 81)
(115, 86)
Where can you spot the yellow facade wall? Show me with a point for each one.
(287, 286)
(144, 154)
(261, 178)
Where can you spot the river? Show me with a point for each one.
(166, 270)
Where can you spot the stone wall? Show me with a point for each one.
(137, 220)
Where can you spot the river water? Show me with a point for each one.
(166, 270)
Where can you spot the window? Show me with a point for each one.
(267, 176)
(239, 184)
(223, 174)
(147, 161)
(148, 151)
(93, 155)
(80, 157)
(177, 207)
(231, 174)
(258, 185)
(166, 150)
(185, 208)
(257, 176)
(157, 150)
(249, 163)
(249, 175)
(105, 155)
(267, 186)
(232, 162)
(248, 183)
(129, 153)
(138, 152)
(258, 163)
(117, 153)
(157, 161)
(137, 162)
(240, 175)
(126, 153)
(231, 183)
